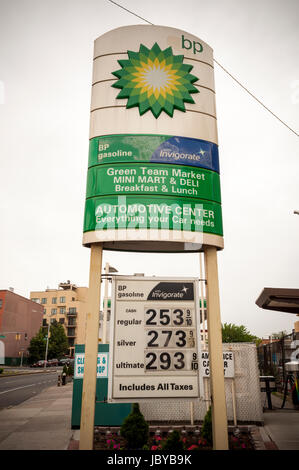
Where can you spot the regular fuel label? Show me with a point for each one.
(154, 339)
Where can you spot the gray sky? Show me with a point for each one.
(46, 51)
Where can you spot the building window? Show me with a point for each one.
(53, 311)
(61, 320)
(73, 310)
(71, 332)
(45, 311)
(53, 320)
(62, 309)
(62, 300)
(1, 302)
(54, 300)
(35, 300)
(44, 300)
(45, 322)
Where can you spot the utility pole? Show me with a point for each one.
(46, 355)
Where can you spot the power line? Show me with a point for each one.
(224, 69)
(129, 11)
(254, 97)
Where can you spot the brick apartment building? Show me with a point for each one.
(20, 320)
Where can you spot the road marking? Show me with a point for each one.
(18, 388)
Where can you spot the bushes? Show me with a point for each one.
(173, 442)
(135, 429)
(206, 431)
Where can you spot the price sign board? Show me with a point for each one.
(154, 339)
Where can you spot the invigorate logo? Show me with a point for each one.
(155, 80)
(172, 291)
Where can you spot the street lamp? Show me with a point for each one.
(47, 344)
(108, 269)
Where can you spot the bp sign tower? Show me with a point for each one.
(153, 185)
(153, 172)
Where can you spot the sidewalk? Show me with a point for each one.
(40, 423)
(281, 426)
(44, 423)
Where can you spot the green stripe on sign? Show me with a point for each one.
(153, 179)
(142, 212)
(123, 148)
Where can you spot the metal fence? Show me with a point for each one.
(273, 356)
(243, 390)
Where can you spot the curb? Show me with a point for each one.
(261, 440)
(26, 373)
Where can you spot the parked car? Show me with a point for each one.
(53, 362)
(63, 361)
(34, 364)
(42, 363)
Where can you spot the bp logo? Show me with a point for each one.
(155, 80)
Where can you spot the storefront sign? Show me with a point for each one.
(153, 140)
(102, 365)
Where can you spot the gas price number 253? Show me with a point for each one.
(169, 340)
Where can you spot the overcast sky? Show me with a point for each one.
(46, 51)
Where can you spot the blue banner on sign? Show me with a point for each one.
(187, 151)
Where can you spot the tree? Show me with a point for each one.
(58, 342)
(207, 430)
(135, 429)
(237, 334)
(174, 442)
(37, 347)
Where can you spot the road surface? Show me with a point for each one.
(16, 389)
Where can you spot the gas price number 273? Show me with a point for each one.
(169, 339)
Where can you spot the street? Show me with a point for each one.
(16, 389)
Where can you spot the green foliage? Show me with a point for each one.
(37, 347)
(237, 334)
(206, 430)
(57, 346)
(58, 343)
(68, 369)
(173, 442)
(135, 429)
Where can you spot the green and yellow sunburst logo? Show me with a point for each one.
(155, 80)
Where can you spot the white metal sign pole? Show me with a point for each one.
(91, 348)
(219, 414)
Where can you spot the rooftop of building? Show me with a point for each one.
(62, 286)
(12, 292)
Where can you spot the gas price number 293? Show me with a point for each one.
(170, 339)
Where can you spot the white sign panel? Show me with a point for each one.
(102, 365)
(228, 364)
(154, 345)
